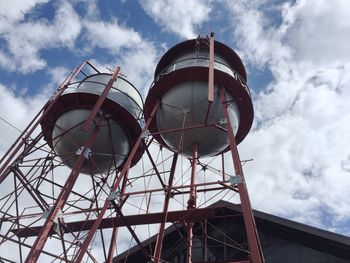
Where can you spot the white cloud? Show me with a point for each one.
(319, 32)
(258, 38)
(135, 55)
(25, 39)
(139, 65)
(301, 121)
(180, 17)
(301, 135)
(6, 61)
(111, 35)
(15, 10)
(92, 10)
(25, 109)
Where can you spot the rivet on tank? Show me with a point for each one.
(187, 84)
(120, 120)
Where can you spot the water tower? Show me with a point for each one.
(89, 170)
(200, 106)
(190, 109)
(65, 161)
(122, 113)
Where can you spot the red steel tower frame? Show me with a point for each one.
(49, 212)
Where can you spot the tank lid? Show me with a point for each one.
(219, 48)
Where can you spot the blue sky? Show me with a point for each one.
(296, 53)
(62, 53)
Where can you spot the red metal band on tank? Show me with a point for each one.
(82, 100)
(232, 86)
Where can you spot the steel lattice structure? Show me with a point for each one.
(50, 212)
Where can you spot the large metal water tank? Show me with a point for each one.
(181, 87)
(120, 126)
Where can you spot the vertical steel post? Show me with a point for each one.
(191, 204)
(249, 222)
(189, 242)
(192, 198)
(211, 69)
(210, 77)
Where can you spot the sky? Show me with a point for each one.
(297, 57)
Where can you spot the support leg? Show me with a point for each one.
(249, 222)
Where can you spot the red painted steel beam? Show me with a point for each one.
(249, 222)
(155, 167)
(178, 187)
(211, 69)
(210, 76)
(92, 66)
(154, 218)
(198, 126)
(204, 190)
(30, 189)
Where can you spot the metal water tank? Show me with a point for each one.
(181, 88)
(118, 130)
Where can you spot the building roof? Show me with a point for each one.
(305, 235)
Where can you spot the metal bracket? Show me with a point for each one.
(56, 225)
(113, 195)
(223, 121)
(145, 134)
(47, 212)
(185, 111)
(86, 154)
(235, 180)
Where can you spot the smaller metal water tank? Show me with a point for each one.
(120, 127)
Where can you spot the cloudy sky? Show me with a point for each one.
(296, 52)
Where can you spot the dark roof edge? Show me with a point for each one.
(344, 240)
(292, 224)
